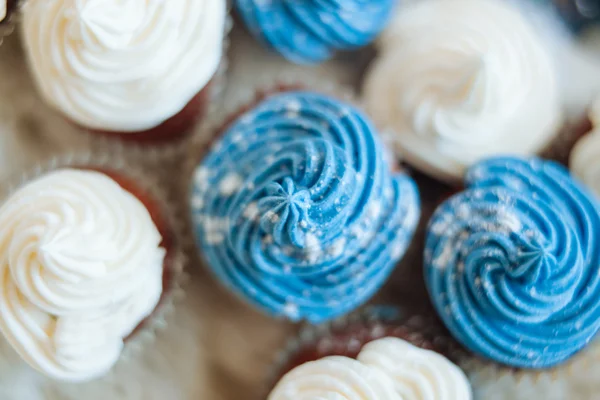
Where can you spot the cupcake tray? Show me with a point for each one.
(215, 347)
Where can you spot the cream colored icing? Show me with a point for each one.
(461, 80)
(585, 156)
(418, 374)
(335, 378)
(122, 65)
(3, 9)
(80, 267)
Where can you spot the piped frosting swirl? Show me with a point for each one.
(457, 81)
(80, 267)
(296, 209)
(311, 31)
(123, 66)
(418, 374)
(512, 263)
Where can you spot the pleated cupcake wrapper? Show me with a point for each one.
(211, 127)
(489, 378)
(8, 27)
(118, 163)
(424, 328)
(159, 152)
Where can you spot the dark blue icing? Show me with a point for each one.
(512, 264)
(295, 208)
(311, 31)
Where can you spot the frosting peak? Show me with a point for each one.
(296, 209)
(475, 81)
(512, 263)
(80, 268)
(122, 65)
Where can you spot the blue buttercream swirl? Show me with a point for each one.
(295, 207)
(311, 31)
(512, 263)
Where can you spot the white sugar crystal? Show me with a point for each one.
(201, 176)
(230, 184)
(291, 310)
(337, 248)
(313, 248)
(197, 202)
(251, 212)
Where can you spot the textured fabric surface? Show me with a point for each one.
(215, 348)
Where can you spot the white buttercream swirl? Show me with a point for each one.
(418, 374)
(461, 80)
(3, 9)
(585, 156)
(338, 378)
(80, 267)
(122, 65)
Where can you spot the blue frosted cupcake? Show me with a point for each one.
(295, 207)
(312, 31)
(512, 265)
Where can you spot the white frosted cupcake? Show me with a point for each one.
(89, 264)
(461, 80)
(375, 355)
(139, 70)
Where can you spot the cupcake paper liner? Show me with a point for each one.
(117, 162)
(497, 382)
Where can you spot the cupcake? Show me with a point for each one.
(296, 207)
(310, 32)
(512, 265)
(370, 356)
(89, 264)
(457, 81)
(585, 156)
(140, 71)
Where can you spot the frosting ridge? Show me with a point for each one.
(460, 80)
(418, 374)
(122, 66)
(295, 207)
(339, 378)
(312, 31)
(512, 263)
(81, 266)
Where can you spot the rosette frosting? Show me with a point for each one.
(457, 81)
(80, 267)
(122, 66)
(296, 209)
(387, 368)
(339, 378)
(512, 264)
(418, 374)
(311, 31)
